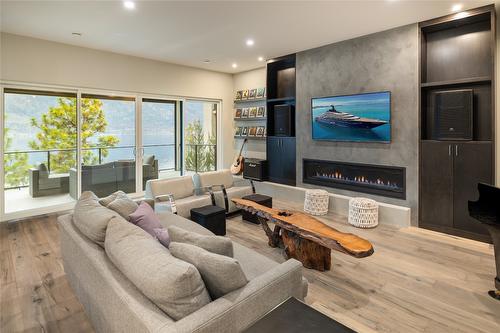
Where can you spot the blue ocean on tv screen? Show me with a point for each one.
(372, 106)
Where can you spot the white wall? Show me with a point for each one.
(25, 59)
(247, 80)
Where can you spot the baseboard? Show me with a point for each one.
(339, 204)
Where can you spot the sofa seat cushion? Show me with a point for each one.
(175, 286)
(185, 205)
(167, 219)
(253, 264)
(215, 244)
(232, 193)
(91, 218)
(220, 273)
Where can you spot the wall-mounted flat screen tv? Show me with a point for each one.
(359, 118)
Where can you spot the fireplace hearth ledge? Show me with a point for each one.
(389, 214)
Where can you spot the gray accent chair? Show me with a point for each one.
(223, 186)
(42, 183)
(104, 179)
(114, 304)
(183, 192)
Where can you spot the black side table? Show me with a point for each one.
(211, 217)
(294, 316)
(261, 199)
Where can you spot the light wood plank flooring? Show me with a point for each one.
(416, 281)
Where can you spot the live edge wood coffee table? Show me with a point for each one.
(305, 238)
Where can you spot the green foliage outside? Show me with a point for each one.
(199, 158)
(57, 130)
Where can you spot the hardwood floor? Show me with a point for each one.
(416, 281)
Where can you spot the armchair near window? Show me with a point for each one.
(42, 183)
(224, 187)
(183, 192)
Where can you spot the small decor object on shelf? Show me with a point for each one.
(244, 113)
(244, 131)
(260, 112)
(239, 95)
(245, 94)
(363, 212)
(238, 113)
(261, 93)
(260, 131)
(252, 113)
(252, 93)
(316, 202)
(252, 131)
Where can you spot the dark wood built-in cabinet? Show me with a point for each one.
(457, 55)
(281, 92)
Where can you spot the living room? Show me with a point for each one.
(336, 175)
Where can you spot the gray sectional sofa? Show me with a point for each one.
(114, 304)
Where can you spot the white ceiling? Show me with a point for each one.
(188, 32)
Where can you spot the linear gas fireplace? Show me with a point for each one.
(383, 180)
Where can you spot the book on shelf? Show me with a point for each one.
(261, 93)
(252, 113)
(252, 93)
(260, 131)
(245, 94)
(237, 113)
(239, 95)
(244, 113)
(252, 131)
(261, 111)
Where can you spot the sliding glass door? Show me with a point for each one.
(159, 139)
(107, 141)
(40, 133)
(200, 135)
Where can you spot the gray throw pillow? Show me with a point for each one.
(220, 273)
(123, 205)
(91, 218)
(175, 286)
(215, 244)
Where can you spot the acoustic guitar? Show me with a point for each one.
(237, 166)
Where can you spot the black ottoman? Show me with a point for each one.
(211, 217)
(261, 199)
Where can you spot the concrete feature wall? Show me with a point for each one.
(385, 61)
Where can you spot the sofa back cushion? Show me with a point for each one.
(215, 244)
(179, 187)
(175, 286)
(123, 205)
(91, 218)
(221, 274)
(221, 177)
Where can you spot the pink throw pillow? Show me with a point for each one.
(162, 236)
(145, 218)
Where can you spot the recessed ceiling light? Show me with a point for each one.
(76, 34)
(206, 61)
(129, 5)
(457, 7)
(250, 42)
(234, 65)
(260, 58)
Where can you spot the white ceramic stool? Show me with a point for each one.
(316, 202)
(363, 212)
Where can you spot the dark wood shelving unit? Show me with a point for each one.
(280, 90)
(457, 52)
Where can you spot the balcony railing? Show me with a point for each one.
(198, 157)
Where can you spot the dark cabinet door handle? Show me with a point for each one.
(456, 150)
(449, 150)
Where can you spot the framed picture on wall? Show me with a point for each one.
(244, 131)
(245, 94)
(265, 132)
(261, 93)
(238, 131)
(237, 113)
(239, 95)
(244, 113)
(252, 131)
(252, 113)
(260, 131)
